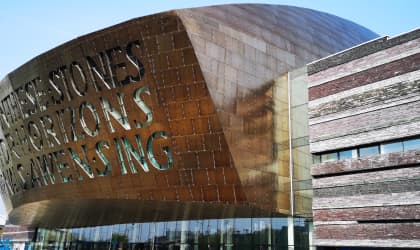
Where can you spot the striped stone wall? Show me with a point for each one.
(367, 95)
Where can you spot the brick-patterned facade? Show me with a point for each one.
(378, 73)
(368, 95)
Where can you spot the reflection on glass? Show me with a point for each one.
(215, 234)
(261, 228)
(385, 148)
(316, 159)
(144, 235)
(78, 234)
(160, 234)
(226, 232)
(134, 230)
(108, 233)
(195, 229)
(346, 154)
(412, 144)
(391, 147)
(366, 151)
(329, 157)
(279, 230)
(96, 234)
(119, 237)
(171, 234)
(301, 232)
(182, 227)
(242, 237)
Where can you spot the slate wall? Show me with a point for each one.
(367, 95)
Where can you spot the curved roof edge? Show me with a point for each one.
(175, 12)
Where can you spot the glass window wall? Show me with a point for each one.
(347, 154)
(391, 147)
(229, 234)
(412, 144)
(368, 151)
(382, 148)
(329, 157)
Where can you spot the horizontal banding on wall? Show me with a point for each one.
(368, 213)
(404, 113)
(397, 186)
(373, 163)
(401, 231)
(410, 76)
(381, 72)
(360, 51)
(369, 200)
(381, 57)
(371, 98)
(379, 134)
(388, 174)
(394, 243)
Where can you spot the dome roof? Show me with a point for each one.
(168, 116)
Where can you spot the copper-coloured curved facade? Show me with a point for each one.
(177, 115)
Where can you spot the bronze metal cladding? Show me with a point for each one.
(168, 116)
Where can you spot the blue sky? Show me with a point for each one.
(29, 28)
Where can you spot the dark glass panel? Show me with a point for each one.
(214, 234)
(261, 228)
(195, 230)
(171, 235)
(242, 236)
(301, 232)
(279, 232)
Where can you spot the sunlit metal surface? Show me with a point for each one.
(177, 115)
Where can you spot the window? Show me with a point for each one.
(329, 157)
(411, 144)
(383, 148)
(346, 154)
(316, 159)
(391, 147)
(367, 151)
